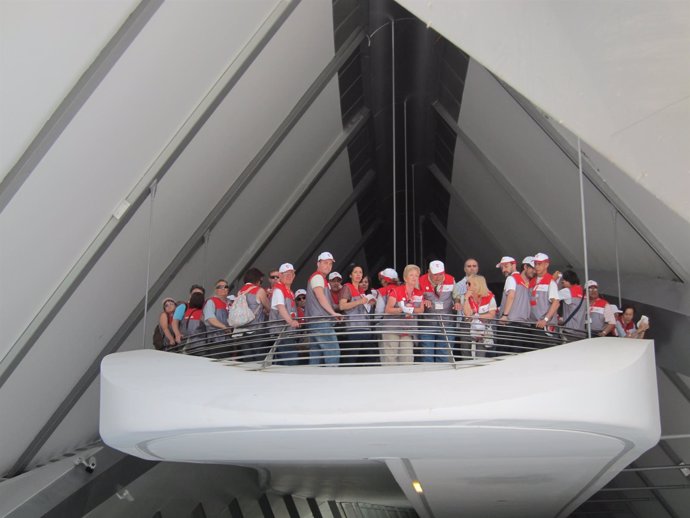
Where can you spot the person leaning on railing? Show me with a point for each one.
(405, 302)
(352, 303)
(480, 306)
(284, 308)
(324, 346)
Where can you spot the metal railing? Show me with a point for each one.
(446, 340)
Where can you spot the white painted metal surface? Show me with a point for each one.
(540, 431)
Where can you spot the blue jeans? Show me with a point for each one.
(286, 352)
(324, 348)
(434, 347)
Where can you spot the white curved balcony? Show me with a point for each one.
(533, 434)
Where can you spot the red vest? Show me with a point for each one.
(194, 314)
(354, 292)
(289, 297)
(546, 279)
(426, 286)
(249, 288)
(484, 301)
(219, 303)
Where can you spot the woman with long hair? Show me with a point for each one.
(480, 306)
(353, 305)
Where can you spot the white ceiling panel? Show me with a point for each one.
(111, 142)
(546, 180)
(44, 48)
(624, 88)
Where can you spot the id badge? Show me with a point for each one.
(438, 305)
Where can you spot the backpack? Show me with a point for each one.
(158, 339)
(239, 313)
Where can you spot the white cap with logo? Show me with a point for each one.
(541, 258)
(324, 256)
(334, 275)
(300, 291)
(528, 260)
(591, 283)
(286, 267)
(436, 267)
(506, 259)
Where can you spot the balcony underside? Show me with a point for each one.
(535, 434)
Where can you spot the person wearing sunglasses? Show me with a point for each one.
(216, 311)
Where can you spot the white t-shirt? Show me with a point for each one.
(277, 298)
(317, 282)
(510, 284)
(565, 295)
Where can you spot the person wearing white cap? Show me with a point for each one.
(389, 280)
(335, 286)
(601, 319)
(543, 294)
(324, 346)
(284, 308)
(301, 300)
(471, 267)
(515, 302)
(437, 290)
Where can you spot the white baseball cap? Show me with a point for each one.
(323, 256)
(615, 309)
(334, 275)
(390, 273)
(300, 292)
(436, 267)
(506, 259)
(540, 258)
(231, 297)
(286, 267)
(591, 283)
(528, 260)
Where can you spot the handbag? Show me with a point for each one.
(239, 313)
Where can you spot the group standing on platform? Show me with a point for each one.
(411, 317)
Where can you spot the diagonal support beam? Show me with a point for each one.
(187, 251)
(355, 195)
(141, 192)
(459, 199)
(299, 194)
(368, 234)
(600, 184)
(503, 181)
(75, 99)
(449, 239)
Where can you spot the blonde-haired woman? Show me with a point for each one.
(404, 302)
(480, 306)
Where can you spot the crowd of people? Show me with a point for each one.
(411, 313)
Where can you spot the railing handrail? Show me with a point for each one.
(436, 337)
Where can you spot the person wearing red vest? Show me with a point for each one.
(437, 289)
(284, 308)
(572, 295)
(544, 298)
(480, 306)
(601, 318)
(216, 307)
(404, 303)
(353, 303)
(324, 348)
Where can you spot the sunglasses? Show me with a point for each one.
(222, 287)
(275, 276)
(301, 297)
